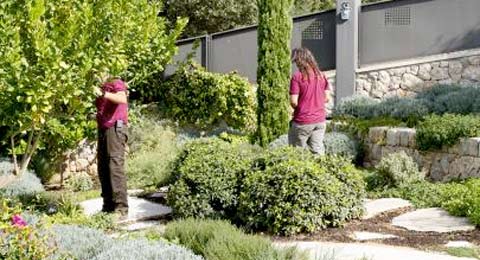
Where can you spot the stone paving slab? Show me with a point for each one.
(365, 236)
(143, 225)
(341, 251)
(432, 220)
(376, 207)
(139, 209)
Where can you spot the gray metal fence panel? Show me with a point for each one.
(235, 51)
(317, 32)
(185, 47)
(411, 28)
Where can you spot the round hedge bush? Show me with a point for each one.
(208, 174)
(399, 170)
(291, 192)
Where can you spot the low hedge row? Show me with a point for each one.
(441, 99)
(446, 130)
(284, 190)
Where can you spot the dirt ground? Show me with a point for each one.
(381, 224)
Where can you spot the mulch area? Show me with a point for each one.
(382, 224)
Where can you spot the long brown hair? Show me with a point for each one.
(306, 63)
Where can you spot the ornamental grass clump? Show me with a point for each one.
(219, 240)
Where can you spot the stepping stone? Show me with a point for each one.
(142, 225)
(365, 236)
(432, 220)
(135, 192)
(139, 209)
(463, 244)
(376, 207)
(356, 251)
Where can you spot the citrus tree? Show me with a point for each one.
(51, 53)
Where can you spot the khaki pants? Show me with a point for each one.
(308, 136)
(111, 168)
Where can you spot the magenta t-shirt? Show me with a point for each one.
(311, 98)
(108, 112)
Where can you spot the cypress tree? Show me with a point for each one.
(274, 67)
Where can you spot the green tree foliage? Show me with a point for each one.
(274, 34)
(207, 16)
(51, 53)
(308, 6)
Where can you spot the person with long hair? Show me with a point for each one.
(308, 96)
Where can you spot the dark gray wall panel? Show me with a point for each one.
(185, 47)
(412, 28)
(235, 51)
(317, 33)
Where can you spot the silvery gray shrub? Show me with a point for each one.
(79, 242)
(340, 144)
(145, 250)
(357, 106)
(26, 184)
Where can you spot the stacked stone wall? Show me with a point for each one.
(460, 161)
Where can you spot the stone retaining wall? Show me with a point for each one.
(80, 161)
(458, 162)
(409, 78)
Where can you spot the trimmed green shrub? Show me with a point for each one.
(337, 143)
(208, 174)
(446, 130)
(195, 96)
(274, 68)
(463, 199)
(25, 184)
(399, 169)
(219, 240)
(289, 195)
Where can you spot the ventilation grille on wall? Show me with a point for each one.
(399, 16)
(314, 31)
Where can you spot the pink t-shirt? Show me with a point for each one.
(311, 98)
(108, 112)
